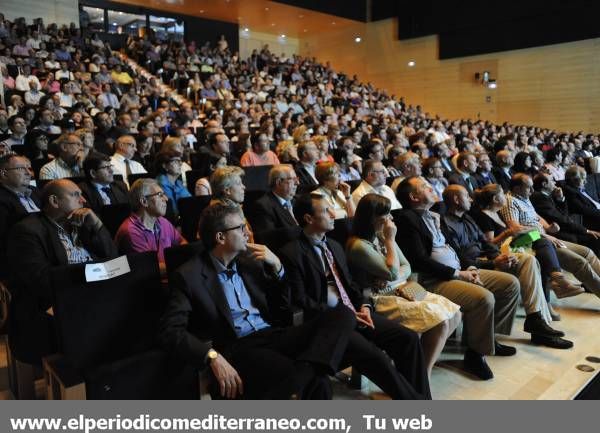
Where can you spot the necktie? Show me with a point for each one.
(336, 277)
(127, 169)
(109, 194)
(288, 206)
(470, 184)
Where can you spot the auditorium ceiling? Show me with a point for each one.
(256, 15)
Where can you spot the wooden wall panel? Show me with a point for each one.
(556, 86)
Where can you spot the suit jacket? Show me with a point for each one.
(482, 181)
(11, 212)
(307, 283)
(469, 184)
(580, 204)
(94, 200)
(592, 186)
(269, 214)
(35, 248)
(198, 311)
(556, 212)
(502, 178)
(416, 242)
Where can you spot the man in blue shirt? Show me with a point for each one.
(230, 294)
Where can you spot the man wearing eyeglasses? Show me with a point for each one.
(100, 188)
(17, 197)
(70, 159)
(374, 175)
(147, 229)
(63, 233)
(227, 295)
(122, 160)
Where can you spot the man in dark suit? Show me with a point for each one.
(17, 198)
(308, 155)
(488, 300)
(466, 164)
(274, 209)
(230, 295)
(580, 201)
(100, 188)
(503, 169)
(550, 203)
(484, 175)
(319, 280)
(63, 233)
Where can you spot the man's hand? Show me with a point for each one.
(84, 217)
(505, 261)
(262, 254)
(556, 242)
(363, 317)
(558, 194)
(230, 382)
(518, 229)
(553, 228)
(594, 234)
(470, 276)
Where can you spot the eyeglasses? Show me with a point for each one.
(241, 226)
(22, 169)
(104, 167)
(159, 194)
(176, 161)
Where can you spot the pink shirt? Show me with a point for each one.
(134, 237)
(251, 159)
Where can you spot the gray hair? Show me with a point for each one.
(277, 172)
(222, 178)
(139, 189)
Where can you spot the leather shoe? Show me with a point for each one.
(534, 324)
(503, 349)
(476, 365)
(563, 287)
(553, 342)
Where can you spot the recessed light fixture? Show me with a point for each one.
(305, 30)
(283, 36)
(357, 39)
(300, 16)
(272, 24)
(201, 11)
(246, 29)
(333, 22)
(411, 63)
(492, 84)
(266, 9)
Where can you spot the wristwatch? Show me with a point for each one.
(211, 356)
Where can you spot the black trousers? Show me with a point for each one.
(277, 363)
(407, 378)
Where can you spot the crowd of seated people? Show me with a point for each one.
(430, 204)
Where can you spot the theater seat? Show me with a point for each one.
(106, 333)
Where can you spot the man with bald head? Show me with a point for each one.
(63, 233)
(122, 160)
(503, 170)
(466, 163)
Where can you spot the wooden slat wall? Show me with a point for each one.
(53, 11)
(556, 86)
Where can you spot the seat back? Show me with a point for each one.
(113, 215)
(191, 177)
(257, 178)
(341, 231)
(178, 255)
(190, 209)
(105, 321)
(133, 177)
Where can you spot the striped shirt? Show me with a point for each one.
(521, 210)
(58, 169)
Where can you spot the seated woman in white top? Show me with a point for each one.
(202, 186)
(334, 191)
(377, 263)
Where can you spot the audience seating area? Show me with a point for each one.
(193, 110)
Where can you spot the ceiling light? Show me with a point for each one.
(283, 36)
(411, 63)
(246, 29)
(357, 39)
(266, 9)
